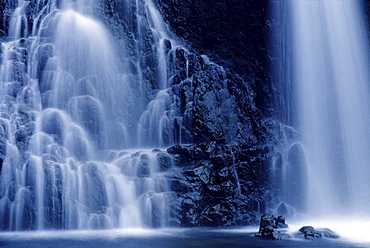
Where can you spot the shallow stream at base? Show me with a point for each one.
(163, 238)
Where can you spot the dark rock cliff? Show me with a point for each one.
(223, 176)
(233, 33)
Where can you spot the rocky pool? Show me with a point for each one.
(163, 238)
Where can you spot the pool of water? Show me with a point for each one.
(161, 238)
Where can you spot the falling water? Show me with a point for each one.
(328, 169)
(74, 103)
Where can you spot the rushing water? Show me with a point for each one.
(74, 103)
(324, 54)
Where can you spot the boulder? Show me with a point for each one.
(273, 234)
(311, 233)
(270, 220)
(267, 220)
(268, 226)
(280, 222)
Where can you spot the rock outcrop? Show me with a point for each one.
(269, 225)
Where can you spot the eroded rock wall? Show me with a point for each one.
(223, 177)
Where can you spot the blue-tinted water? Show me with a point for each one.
(171, 238)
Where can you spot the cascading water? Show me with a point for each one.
(71, 100)
(325, 56)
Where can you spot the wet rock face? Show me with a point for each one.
(233, 33)
(219, 185)
(215, 103)
(5, 14)
(222, 178)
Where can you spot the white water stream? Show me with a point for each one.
(326, 173)
(75, 115)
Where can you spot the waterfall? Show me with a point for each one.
(325, 58)
(78, 105)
